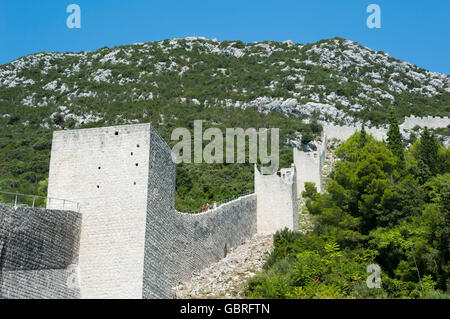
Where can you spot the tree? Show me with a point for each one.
(316, 128)
(429, 151)
(310, 191)
(363, 137)
(394, 140)
(307, 137)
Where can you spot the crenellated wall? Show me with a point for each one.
(345, 131)
(38, 253)
(429, 121)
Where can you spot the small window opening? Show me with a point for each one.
(117, 133)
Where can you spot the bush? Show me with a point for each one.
(307, 138)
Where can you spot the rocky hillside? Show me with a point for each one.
(171, 83)
(337, 80)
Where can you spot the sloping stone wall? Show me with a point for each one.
(38, 253)
(178, 244)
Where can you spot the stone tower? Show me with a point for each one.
(276, 204)
(309, 165)
(106, 170)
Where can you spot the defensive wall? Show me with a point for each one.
(428, 121)
(345, 131)
(309, 163)
(38, 253)
(134, 244)
(178, 244)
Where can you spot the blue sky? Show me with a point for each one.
(415, 31)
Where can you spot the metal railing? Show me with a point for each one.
(17, 199)
(219, 203)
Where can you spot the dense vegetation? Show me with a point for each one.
(379, 208)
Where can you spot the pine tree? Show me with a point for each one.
(362, 137)
(394, 140)
(423, 172)
(429, 151)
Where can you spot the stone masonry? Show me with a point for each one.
(38, 253)
(276, 201)
(106, 171)
(309, 165)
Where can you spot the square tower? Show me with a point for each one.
(309, 166)
(106, 170)
(276, 205)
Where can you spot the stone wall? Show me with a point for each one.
(276, 201)
(133, 242)
(38, 253)
(309, 165)
(429, 121)
(345, 131)
(178, 244)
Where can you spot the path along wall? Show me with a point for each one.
(38, 253)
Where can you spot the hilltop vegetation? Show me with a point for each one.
(379, 208)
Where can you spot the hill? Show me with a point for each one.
(171, 83)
